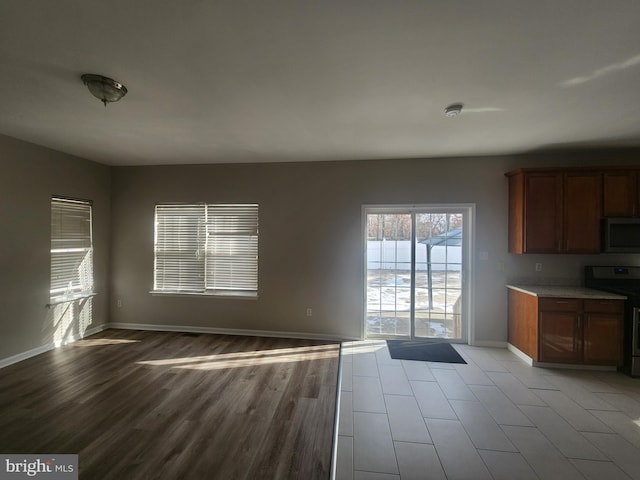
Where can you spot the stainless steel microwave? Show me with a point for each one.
(621, 235)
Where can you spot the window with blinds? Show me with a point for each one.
(206, 249)
(71, 250)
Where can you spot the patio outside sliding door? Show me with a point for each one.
(416, 259)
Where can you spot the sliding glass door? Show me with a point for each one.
(390, 283)
(416, 259)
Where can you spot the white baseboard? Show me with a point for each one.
(570, 366)
(520, 354)
(533, 363)
(5, 362)
(226, 331)
(489, 343)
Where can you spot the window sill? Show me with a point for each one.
(69, 298)
(209, 294)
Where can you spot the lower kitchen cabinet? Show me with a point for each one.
(603, 332)
(560, 335)
(567, 330)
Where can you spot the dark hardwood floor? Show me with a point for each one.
(144, 405)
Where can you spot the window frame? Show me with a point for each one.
(197, 238)
(83, 285)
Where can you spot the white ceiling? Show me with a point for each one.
(214, 81)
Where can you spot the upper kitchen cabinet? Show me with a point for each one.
(535, 212)
(554, 211)
(620, 194)
(582, 213)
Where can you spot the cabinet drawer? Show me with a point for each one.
(559, 304)
(604, 306)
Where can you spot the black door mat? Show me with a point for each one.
(424, 351)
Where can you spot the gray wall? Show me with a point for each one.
(29, 176)
(310, 245)
(311, 237)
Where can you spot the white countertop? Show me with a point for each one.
(565, 292)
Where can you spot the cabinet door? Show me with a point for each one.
(603, 339)
(543, 213)
(620, 196)
(560, 337)
(516, 213)
(582, 212)
(603, 332)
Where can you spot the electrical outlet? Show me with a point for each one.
(538, 267)
(309, 312)
(483, 255)
(119, 303)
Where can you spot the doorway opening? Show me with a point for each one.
(417, 262)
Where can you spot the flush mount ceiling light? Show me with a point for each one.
(105, 89)
(453, 110)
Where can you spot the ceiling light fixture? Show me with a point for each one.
(105, 89)
(453, 110)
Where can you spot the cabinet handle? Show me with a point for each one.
(561, 301)
(579, 321)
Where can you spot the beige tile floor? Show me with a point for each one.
(494, 418)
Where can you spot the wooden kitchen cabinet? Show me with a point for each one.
(542, 221)
(559, 327)
(582, 213)
(566, 330)
(620, 194)
(553, 211)
(603, 332)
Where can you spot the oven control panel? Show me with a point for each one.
(613, 273)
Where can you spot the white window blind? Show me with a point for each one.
(71, 249)
(203, 248)
(179, 252)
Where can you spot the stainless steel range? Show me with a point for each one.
(624, 281)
